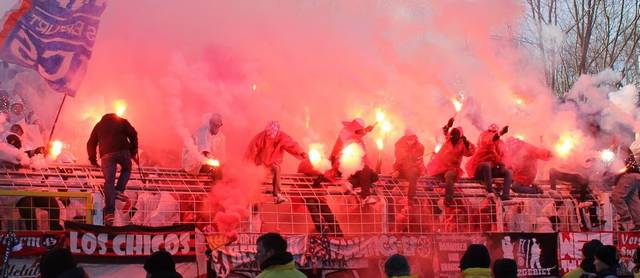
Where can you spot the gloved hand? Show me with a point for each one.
(504, 130)
(304, 155)
(496, 137)
(450, 122)
(206, 154)
(465, 141)
(371, 127)
(94, 162)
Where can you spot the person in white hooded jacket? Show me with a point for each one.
(206, 149)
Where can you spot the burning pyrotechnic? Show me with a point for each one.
(437, 148)
(607, 155)
(565, 144)
(457, 105)
(317, 159)
(519, 137)
(254, 87)
(213, 162)
(120, 107)
(385, 125)
(380, 143)
(351, 159)
(56, 149)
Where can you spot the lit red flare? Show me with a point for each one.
(380, 143)
(213, 162)
(56, 149)
(607, 156)
(565, 145)
(457, 105)
(120, 107)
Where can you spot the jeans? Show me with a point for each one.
(364, 179)
(450, 177)
(580, 185)
(411, 174)
(485, 173)
(109, 166)
(519, 188)
(275, 170)
(625, 197)
(578, 182)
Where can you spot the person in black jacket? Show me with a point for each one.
(118, 144)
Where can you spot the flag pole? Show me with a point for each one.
(53, 128)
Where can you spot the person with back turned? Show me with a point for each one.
(118, 143)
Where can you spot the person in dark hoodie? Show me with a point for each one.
(505, 268)
(273, 258)
(475, 262)
(588, 257)
(606, 262)
(59, 263)
(161, 265)
(118, 143)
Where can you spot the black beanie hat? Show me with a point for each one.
(608, 255)
(589, 249)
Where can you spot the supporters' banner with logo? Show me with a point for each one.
(90, 241)
(32, 243)
(536, 254)
(627, 244)
(28, 267)
(54, 38)
(448, 249)
(314, 252)
(571, 247)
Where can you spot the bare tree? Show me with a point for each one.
(597, 34)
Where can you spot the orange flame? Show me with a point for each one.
(437, 148)
(213, 162)
(457, 105)
(56, 149)
(380, 143)
(565, 145)
(120, 107)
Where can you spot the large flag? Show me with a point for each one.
(52, 37)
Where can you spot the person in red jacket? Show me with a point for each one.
(446, 163)
(409, 162)
(487, 162)
(353, 132)
(268, 147)
(522, 158)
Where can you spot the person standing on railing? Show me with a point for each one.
(267, 148)
(487, 162)
(409, 162)
(118, 143)
(445, 164)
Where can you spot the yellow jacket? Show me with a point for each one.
(576, 273)
(282, 271)
(476, 272)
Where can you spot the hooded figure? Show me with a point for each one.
(353, 132)
(208, 142)
(475, 262)
(267, 148)
(487, 163)
(607, 262)
(522, 158)
(446, 163)
(588, 257)
(409, 162)
(118, 143)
